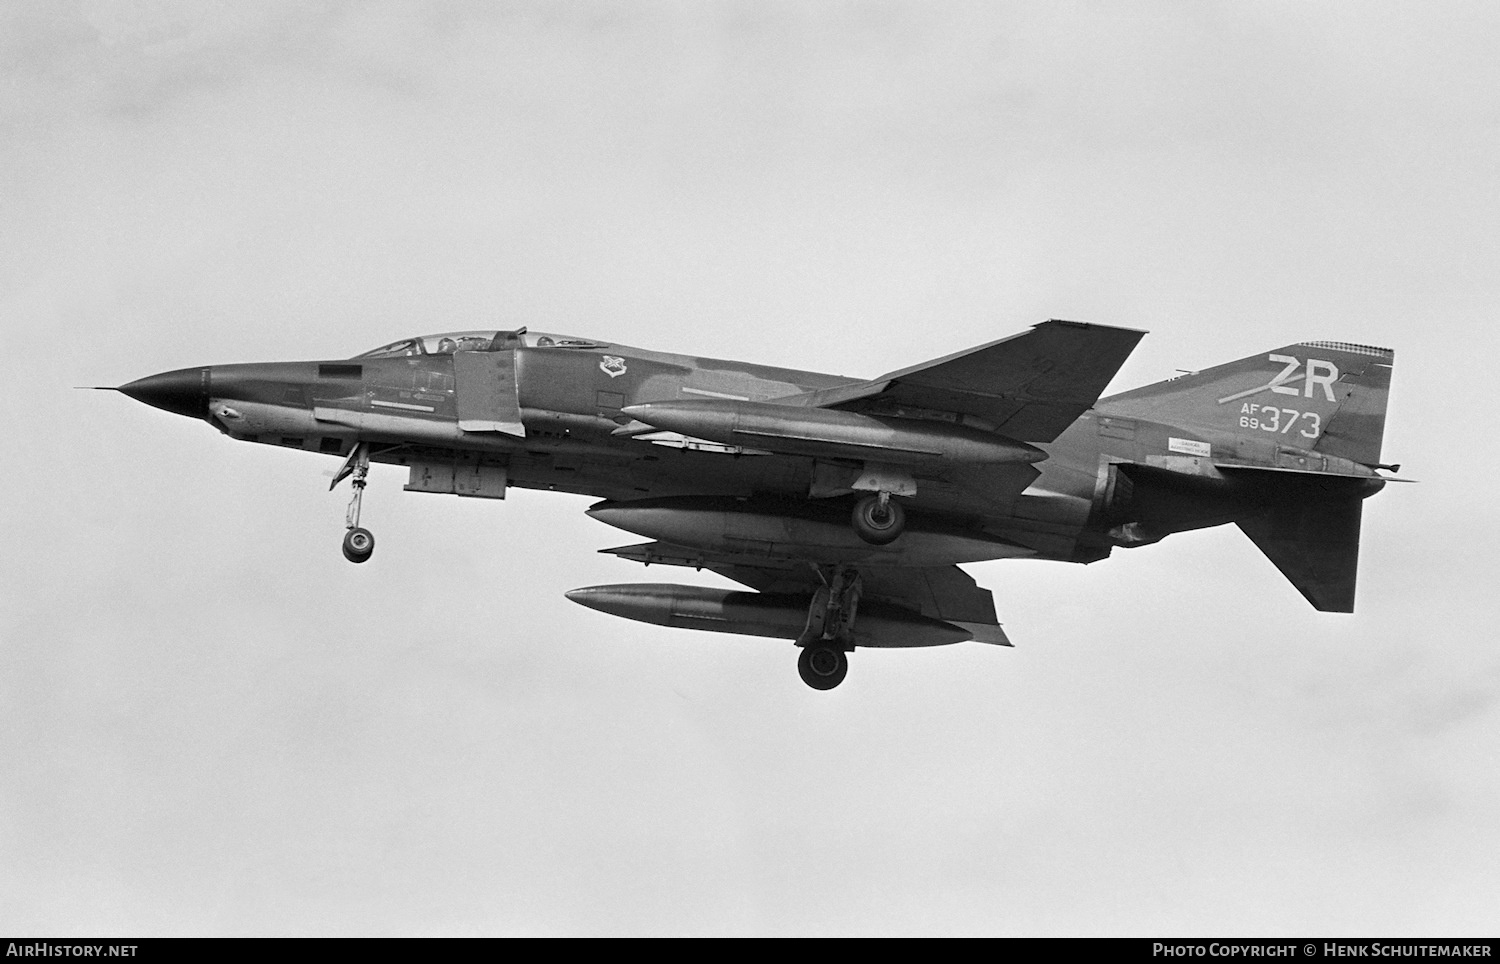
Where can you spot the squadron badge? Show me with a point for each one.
(613, 366)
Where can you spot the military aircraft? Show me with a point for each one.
(846, 504)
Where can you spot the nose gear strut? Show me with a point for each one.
(359, 544)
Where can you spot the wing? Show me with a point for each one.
(940, 592)
(1028, 387)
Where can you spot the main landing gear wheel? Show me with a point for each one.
(878, 520)
(358, 544)
(822, 667)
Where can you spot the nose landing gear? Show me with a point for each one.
(359, 544)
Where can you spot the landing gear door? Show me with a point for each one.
(485, 386)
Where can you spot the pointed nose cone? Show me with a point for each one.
(183, 392)
(607, 512)
(596, 597)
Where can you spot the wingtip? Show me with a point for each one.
(989, 633)
(1091, 324)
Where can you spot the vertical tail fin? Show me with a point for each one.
(1329, 396)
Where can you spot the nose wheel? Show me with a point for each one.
(359, 544)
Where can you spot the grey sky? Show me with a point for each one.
(210, 723)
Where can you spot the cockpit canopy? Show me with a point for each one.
(449, 342)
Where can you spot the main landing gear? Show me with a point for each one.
(878, 520)
(830, 630)
(359, 544)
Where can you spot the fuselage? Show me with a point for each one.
(540, 411)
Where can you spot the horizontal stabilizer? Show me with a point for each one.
(1316, 546)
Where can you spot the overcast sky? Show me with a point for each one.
(210, 723)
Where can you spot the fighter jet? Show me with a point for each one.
(845, 505)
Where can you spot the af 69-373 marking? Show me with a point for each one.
(1268, 418)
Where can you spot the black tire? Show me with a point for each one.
(822, 667)
(876, 524)
(359, 545)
